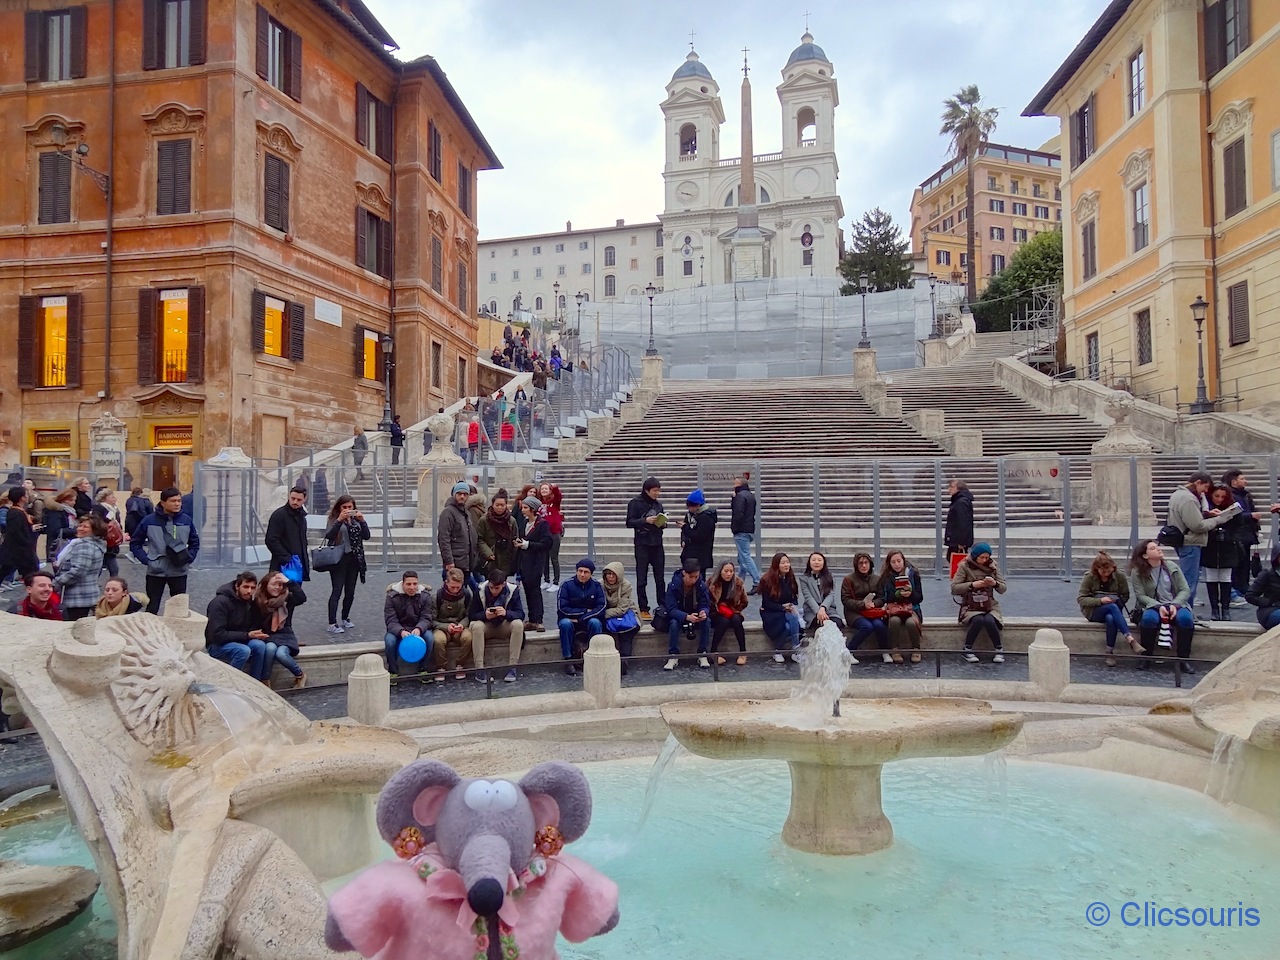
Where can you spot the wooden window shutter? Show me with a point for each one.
(148, 321)
(27, 309)
(1242, 24)
(1074, 138)
(34, 38)
(181, 176)
(284, 195)
(297, 331)
(271, 191)
(295, 65)
(359, 350)
(362, 237)
(437, 265)
(151, 34)
(62, 189)
(362, 115)
(258, 321)
(384, 131)
(75, 338)
(198, 42)
(1234, 174)
(79, 42)
(1091, 126)
(165, 177)
(1238, 311)
(195, 334)
(48, 188)
(384, 249)
(263, 43)
(1215, 41)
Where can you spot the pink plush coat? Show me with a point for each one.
(390, 913)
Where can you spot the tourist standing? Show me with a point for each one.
(39, 601)
(698, 532)
(742, 524)
(901, 594)
(1103, 598)
(84, 497)
(347, 530)
(107, 509)
(230, 634)
(116, 601)
(397, 439)
(533, 547)
(1187, 514)
(860, 596)
(136, 509)
(1249, 531)
(1226, 548)
(646, 518)
(728, 603)
(456, 533)
(359, 449)
(1264, 593)
(552, 499)
(78, 565)
(1164, 597)
(35, 503)
(688, 606)
(580, 606)
(621, 613)
(286, 537)
(779, 596)
(274, 602)
(977, 581)
(18, 550)
(407, 611)
(496, 536)
(959, 532)
(167, 542)
(60, 522)
(497, 614)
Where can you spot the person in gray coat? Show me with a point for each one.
(359, 447)
(456, 533)
(819, 595)
(1187, 512)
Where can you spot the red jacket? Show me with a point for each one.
(555, 519)
(51, 612)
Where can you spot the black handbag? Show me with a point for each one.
(326, 557)
(1170, 536)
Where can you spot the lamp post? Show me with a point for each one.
(702, 259)
(651, 291)
(934, 332)
(864, 284)
(1202, 402)
(388, 344)
(58, 134)
(579, 297)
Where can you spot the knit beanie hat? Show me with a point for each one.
(461, 487)
(696, 499)
(532, 502)
(588, 563)
(978, 549)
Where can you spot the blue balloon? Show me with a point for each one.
(412, 648)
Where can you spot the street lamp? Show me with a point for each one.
(864, 284)
(579, 297)
(59, 135)
(388, 344)
(555, 303)
(934, 333)
(702, 259)
(1202, 402)
(651, 291)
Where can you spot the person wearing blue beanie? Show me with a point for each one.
(695, 499)
(978, 549)
(698, 532)
(976, 582)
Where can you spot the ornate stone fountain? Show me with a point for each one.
(212, 809)
(836, 760)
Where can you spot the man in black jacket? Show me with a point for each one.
(287, 533)
(742, 523)
(646, 517)
(229, 635)
(407, 611)
(959, 532)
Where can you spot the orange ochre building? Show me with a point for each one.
(213, 212)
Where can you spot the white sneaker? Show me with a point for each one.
(779, 658)
(970, 657)
(348, 625)
(853, 661)
(795, 657)
(335, 628)
(672, 664)
(550, 588)
(887, 657)
(704, 662)
(998, 658)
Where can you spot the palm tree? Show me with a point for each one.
(969, 126)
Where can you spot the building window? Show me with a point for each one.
(464, 190)
(1042, 213)
(493, 278)
(997, 233)
(49, 341)
(993, 183)
(279, 55)
(437, 266)
(462, 287)
(1082, 133)
(1089, 250)
(1092, 357)
(537, 303)
(537, 251)
(633, 240)
(370, 344)
(1234, 177)
(995, 206)
(657, 266)
(689, 140)
(55, 188)
(1013, 187)
(174, 335)
(964, 261)
(657, 238)
(1037, 190)
(559, 248)
(373, 123)
(537, 273)
(437, 366)
(688, 268)
(610, 256)
(948, 224)
(634, 264)
(56, 47)
(1019, 235)
(582, 244)
(173, 33)
(515, 274)
(1019, 209)
(962, 215)
(562, 301)
(942, 257)
(1141, 216)
(435, 152)
(170, 335)
(560, 270)
(462, 376)
(1142, 334)
(1226, 33)
(515, 251)
(806, 258)
(373, 243)
(173, 177)
(493, 308)
(1137, 82)
(278, 327)
(275, 193)
(610, 285)
(1238, 312)
(586, 268)
(997, 263)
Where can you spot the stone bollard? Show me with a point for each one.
(602, 670)
(369, 691)
(1049, 662)
(864, 365)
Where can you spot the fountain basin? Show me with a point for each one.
(836, 761)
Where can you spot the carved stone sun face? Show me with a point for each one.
(155, 676)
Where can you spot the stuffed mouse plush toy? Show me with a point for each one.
(481, 873)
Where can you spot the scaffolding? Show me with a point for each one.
(1035, 327)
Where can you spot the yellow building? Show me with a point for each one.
(1172, 192)
(1016, 195)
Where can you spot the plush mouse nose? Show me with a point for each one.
(485, 897)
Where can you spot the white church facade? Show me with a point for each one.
(777, 215)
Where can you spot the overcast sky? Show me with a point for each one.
(567, 93)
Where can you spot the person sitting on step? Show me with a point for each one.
(274, 602)
(1164, 597)
(779, 607)
(977, 581)
(860, 596)
(900, 597)
(1264, 593)
(818, 600)
(407, 611)
(688, 606)
(728, 603)
(452, 634)
(1103, 598)
(497, 614)
(620, 600)
(580, 606)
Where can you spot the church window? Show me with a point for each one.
(806, 128)
(689, 140)
(610, 256)
(688, 268)
(657, 238)
(610, 285)
(808, 258)
(537, 303)
(658, 267)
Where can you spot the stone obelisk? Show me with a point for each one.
(748, 241)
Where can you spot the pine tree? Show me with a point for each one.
(878, 249)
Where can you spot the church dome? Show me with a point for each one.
(693, 67)
(808, 50)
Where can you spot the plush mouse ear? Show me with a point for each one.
(560, 797)
(412, 798)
